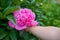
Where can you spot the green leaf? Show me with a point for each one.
(6, 38)
(13, 35)
(9, 9)
(25, 35)
(16, 2)
(56, 22)
(1, 8)
(0, 15)
(11, 18)
(3, 34)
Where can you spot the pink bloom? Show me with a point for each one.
(24, 18)
(11, 24)
(16, 26)
(20, 27)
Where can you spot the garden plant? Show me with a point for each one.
(47, 13)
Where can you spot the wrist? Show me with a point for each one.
(28, 29)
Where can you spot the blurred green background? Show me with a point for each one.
(47, 14)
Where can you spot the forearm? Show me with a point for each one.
(49, 32)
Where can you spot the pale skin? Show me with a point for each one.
(45, 33)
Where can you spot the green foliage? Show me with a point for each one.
(11, 18)
(2, 33)
(47, 14)
(9, 9)
(13, 35)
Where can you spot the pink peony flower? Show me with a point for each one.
(24, 18)
(11, 24)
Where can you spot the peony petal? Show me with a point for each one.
(20, 27)
(34, 23)
(11, 24)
